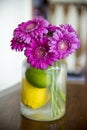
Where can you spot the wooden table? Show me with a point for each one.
(74, 119)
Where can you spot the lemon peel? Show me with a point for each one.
(32, 96)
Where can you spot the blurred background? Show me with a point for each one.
(13, 12)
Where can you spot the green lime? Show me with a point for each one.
(38, 78)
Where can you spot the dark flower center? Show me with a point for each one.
(40, 52)
(30, 27)
(50, 34)
(63, 45)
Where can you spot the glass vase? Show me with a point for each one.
(43, 95)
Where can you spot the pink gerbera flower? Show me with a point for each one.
(17, 45)
(65, 41)
(26, 31)
(38, 54)
(32, 28)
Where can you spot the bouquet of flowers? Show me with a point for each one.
(43, 44)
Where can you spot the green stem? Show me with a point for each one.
(56, 107)
(57, 96)
(62, 95)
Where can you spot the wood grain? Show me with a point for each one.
(74, 119)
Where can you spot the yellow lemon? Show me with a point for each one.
(32, 96)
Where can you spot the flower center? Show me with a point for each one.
(50, 34)
(62, 45)
(40, 52)
(30, 27)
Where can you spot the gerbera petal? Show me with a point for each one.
(66, 41)
(38, 54)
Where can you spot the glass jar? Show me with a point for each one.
(43, 95)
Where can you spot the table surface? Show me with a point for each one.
(74, 119)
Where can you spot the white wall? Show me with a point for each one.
(12, 12)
